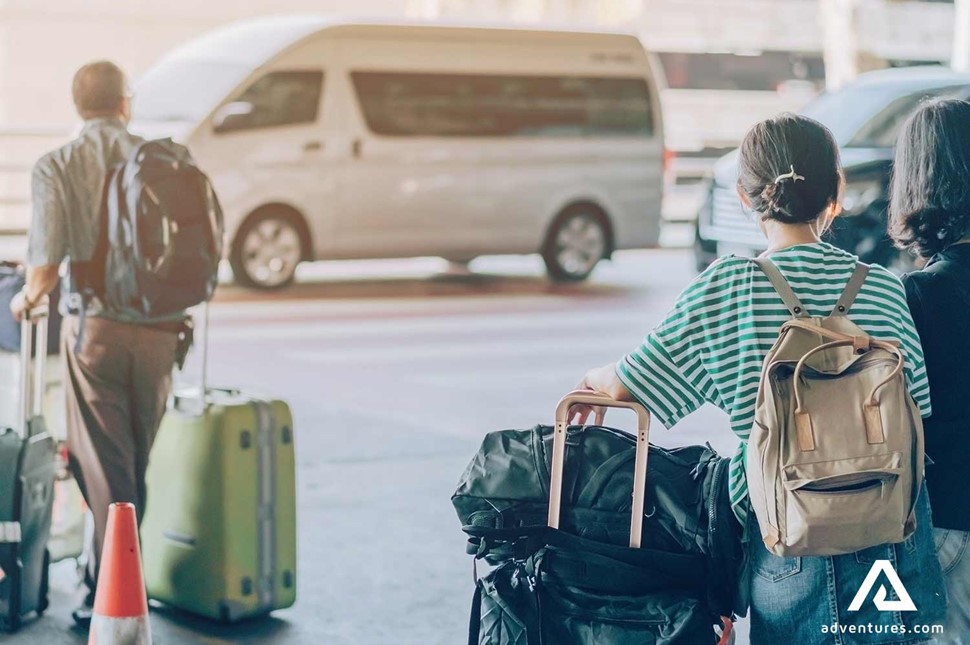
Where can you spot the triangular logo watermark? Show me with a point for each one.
(905, 602)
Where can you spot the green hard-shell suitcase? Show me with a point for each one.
(219, 532)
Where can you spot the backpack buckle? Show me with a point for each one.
(860, 344)
(873, 418)
(803, 428)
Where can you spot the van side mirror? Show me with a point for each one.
(232, 116)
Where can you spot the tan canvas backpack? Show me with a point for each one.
(835, 456)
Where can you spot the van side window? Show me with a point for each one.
(277, 99)
(461, 105)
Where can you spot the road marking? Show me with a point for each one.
(496, 320)
(599, 344)
(506, 324)
(274, 310)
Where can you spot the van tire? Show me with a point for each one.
(276, 269)
(578, 238)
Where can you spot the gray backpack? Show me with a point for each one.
(835, 456)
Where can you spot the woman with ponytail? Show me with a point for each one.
(930, 214)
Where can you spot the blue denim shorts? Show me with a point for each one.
(805, 601)
(953, 550)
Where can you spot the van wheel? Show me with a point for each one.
(577, 240)
(267, 249)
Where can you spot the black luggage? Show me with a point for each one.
(584, 584)
(27, 470)
(160, 236)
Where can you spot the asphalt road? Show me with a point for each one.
(394, 372)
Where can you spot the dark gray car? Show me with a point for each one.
(865, 117)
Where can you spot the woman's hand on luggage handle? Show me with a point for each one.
(602, 380)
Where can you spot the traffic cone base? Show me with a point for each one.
(130, 631)
(120, 606)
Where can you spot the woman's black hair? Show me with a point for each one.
(929, 206)
(789, 168)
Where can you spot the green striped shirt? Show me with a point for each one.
(711, 345)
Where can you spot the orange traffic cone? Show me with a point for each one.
(120, 605)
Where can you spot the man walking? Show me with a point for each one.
(118, 377)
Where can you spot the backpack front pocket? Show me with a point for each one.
(843, 506)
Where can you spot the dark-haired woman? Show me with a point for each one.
(710, 348)
(930, 214)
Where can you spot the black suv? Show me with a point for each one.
(865, 118)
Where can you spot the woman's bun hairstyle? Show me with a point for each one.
(789, 169)
(781, 201)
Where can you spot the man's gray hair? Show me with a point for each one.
(99, 88)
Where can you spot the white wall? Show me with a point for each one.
(42, 42)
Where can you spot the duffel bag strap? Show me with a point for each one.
(475, 621)
(533, 577)
(598, 572)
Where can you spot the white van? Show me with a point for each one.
(329, 140)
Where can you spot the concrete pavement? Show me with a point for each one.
(393, 381)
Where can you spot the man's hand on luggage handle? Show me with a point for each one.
(18, 305)
(602, 380)
(40, 281)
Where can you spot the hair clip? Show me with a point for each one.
(789, 175)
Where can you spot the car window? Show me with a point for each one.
(280, 98)
(459, 105)
(882, 130)
(846, 110)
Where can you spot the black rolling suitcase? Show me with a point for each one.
(27, 469)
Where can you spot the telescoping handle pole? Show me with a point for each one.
(204, 373)
(32, 381)
(580, 397)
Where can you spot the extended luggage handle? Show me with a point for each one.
(201, 391)
(584, 397)
(32, 373)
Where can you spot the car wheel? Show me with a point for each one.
(267, 250)
(577, 240)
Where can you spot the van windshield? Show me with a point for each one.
(184, 89)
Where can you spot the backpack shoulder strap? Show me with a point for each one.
(851, 290)
(795, 306)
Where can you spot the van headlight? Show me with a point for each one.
(859, 195)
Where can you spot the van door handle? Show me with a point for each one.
(312, 146)
(356, 148)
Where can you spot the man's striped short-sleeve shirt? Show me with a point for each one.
(711, 345)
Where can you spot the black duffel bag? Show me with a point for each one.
(571, 590)
(689, 551)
